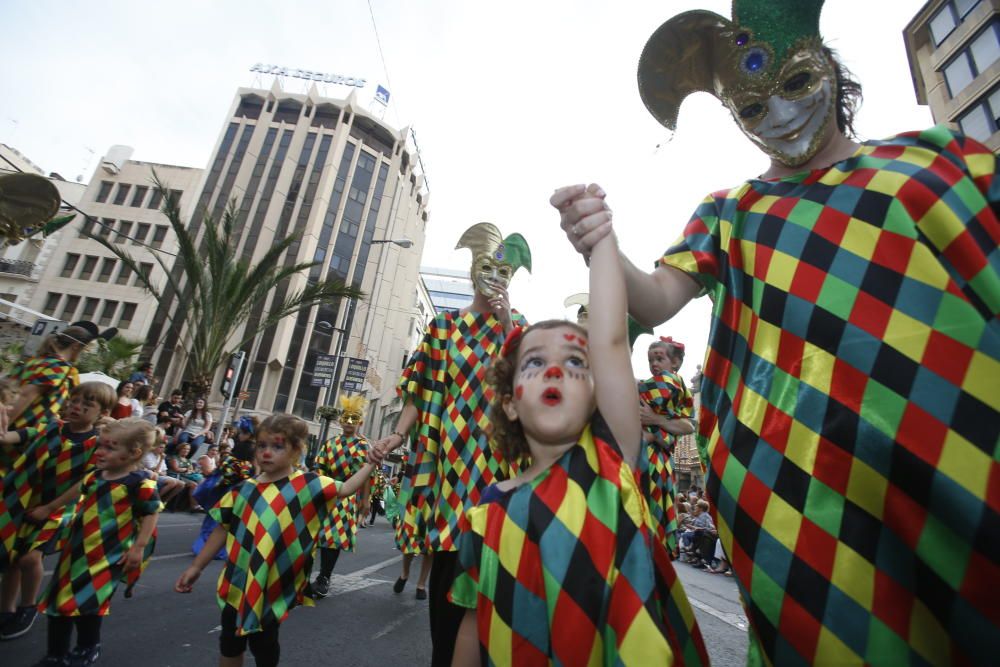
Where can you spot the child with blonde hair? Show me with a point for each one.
(108, 541)
(268, 564)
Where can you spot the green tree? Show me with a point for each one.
(220, 289)
(113, 357)
(10, 356)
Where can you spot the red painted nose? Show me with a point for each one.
(554, 372)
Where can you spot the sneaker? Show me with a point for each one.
(321, 586)
(421, 594)
(20, 624)
(84, 656)
(399, 585)
(52, 661)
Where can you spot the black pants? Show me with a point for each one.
(263, 645)
(376, 508)
(445, 616)
(88, 633)
(327, 561)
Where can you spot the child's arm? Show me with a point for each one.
(355, 481)
(216, 540)
(467, 642)
(610, 357)
(39, 513)
(133, 558)
(10, 438)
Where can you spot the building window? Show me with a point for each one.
(89, 308)
(177, 194)
(982, 119)
(159, 234)
(146, 268)
(51, 303)
(122, 193)
(139, 196)
(124, 274)
(128, 312)
(89, 263)
(155, 199)
(124, 229)
(949, 17)
(973, 60)
(102, 194)
(69, 265)
(87, 227)
(69, 308)
(106, 270)
(104, 228)
(288, 112)
(141, 231)
(108, 314)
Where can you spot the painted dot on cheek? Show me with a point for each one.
(518, 392)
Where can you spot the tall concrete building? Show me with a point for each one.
(449, 289)
(954, 52)
(348, 185)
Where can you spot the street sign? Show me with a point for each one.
(323, 370)
(354, 376)
(39, 331)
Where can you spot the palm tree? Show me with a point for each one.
(221, 289)
(113, 357)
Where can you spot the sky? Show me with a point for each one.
(508, 102)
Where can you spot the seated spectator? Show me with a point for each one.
(143, 375)
(124, 408)
(705, 535)
(147, 399)
(197, 425)
(170, 416)
(154, 463)
(209, 461)
(181, 467)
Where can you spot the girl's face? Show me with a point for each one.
(182, 450)
(115, 456)
(553, 386)
(659, 360)
(200, 404)
(275, 453)
(127, 389)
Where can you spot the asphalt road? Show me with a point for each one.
(361, 623)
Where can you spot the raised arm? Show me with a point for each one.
(407, 418)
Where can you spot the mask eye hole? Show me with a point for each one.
(505, 271)
(486, 268)
(751, 111)
(797, 82)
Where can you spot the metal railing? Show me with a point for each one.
(17, 266)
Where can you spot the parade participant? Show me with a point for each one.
(410, 543)
(377, 490)
(340, 458)
(558, 565)
(445, 400)
(47, 378)
(270, 546)
(108, 540)
(246, 435)
(848, 396)
(36, 497)
(665, 413)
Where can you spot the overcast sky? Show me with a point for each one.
(508, 100)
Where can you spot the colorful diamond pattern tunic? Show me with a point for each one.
(851, 401)
(572, 551)
(54, 460)
(104, 527)
(272, 530)
(667, 395)
(54, 378)
(453, 461)
(339, 458)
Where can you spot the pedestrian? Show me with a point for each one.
(848, 396)
(108, 541)
(270, 546)
(558, 565)
(38, 494)
(340, 458)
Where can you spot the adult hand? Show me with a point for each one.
(500, 304)
(380, 449)
(647, 417)
(583, 215)
(38, 514)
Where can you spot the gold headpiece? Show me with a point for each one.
(352, 405)
(485, 239)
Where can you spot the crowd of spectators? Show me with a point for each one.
(697, 537)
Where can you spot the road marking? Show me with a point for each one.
(398, 622)
(735, 620)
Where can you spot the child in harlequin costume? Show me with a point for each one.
(558, 565)
(407, 540)
(849, 399)
(109, 540)
(665, 413)
(38, 494)
(340, 458)
(445, 400)
(264, 578)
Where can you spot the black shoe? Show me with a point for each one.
(399, 585)
(20, 624)
(52, 661)
(321, 586)
(362, 525)
(421, 594)
(84, 656)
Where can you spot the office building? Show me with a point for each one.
(449, 289)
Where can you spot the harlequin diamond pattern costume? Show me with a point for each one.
(607, 584)
(339, 458)
(850, 399)
(264, 578)
(55, 379)
(104, 527)
(667, 395)
(53, 462)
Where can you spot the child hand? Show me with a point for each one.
(133, 558)
(38, 514)
(185, 583)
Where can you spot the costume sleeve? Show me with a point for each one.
(147, 500)
(418, 379)
(696, 252)
(324, 457)
(465, 589)
(46, 372)
(222, 511)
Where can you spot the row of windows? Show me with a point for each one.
(982, 119)
(65, 307)
(125, 230)
(949, 17)
(138, 195)
(88, 266)
(975, 58)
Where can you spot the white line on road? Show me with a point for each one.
(735, 620)
(398, 622)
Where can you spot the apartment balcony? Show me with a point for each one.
(17, 268)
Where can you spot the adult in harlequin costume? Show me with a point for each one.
(339, 458)
(665, 413)
(849, 398)
(446, 402)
